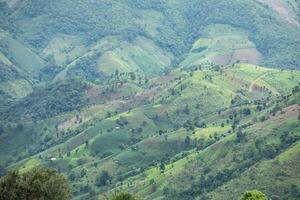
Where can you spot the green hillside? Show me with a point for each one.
(132, 144)
(165, 100)
(172, 25)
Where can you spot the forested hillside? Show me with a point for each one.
(166, 100)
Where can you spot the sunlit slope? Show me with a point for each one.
(111, 55)
(129, 139)
(173, 25)
(230, 165)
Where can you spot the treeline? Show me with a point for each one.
(47, 101)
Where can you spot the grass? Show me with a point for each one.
(21, 56)
(141, 55)
(218, 156)
(4, 59)
(17, 88)
(290, 154)
(217, 40)
(133, 157)
(283, 173)
(210, 131)
(30, 164)
(64, 49)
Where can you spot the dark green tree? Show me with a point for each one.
(103, 179)
(162, 167)
(132, 76)
(240, 136)
(186, 110)
(187, 141)
(39, 183)
(124, 196)
(1, 129)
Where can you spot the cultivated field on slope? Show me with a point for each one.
(130, 144)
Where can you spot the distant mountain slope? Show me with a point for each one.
(172, 25)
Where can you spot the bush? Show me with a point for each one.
(253, 195)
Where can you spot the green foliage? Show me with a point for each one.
(103, 179)
(49, 101)
(2, 171)
(38, 183)
(170, 136)
(253, 195)
(158, 20)
(233, 13)
(124, 196)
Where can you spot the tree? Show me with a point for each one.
(295, 192)
(240, 136)
(2, 171)
(269, 151)
(132, 76)
(72, 176)
(124, 196)
(1, 129)
(186, 110)
(103, 179)
(201, 144)
(117, 73)
(253, 195)
(246, 111)
(162, 167)
(296, 89)
(39, 183)
(187, 141)
(160, 132)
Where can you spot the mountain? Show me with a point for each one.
(163, 99)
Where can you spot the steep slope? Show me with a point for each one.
(173, 26)
(168, 97)
(230, 165)
(111, 54)
(129, 137)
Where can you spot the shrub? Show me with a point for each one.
(253, 195)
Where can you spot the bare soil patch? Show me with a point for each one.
(282, 10)
(221, 59)
(69, 123)
(247, 55)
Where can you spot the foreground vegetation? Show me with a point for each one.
(42, 183)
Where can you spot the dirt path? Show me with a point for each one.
(254, 83)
